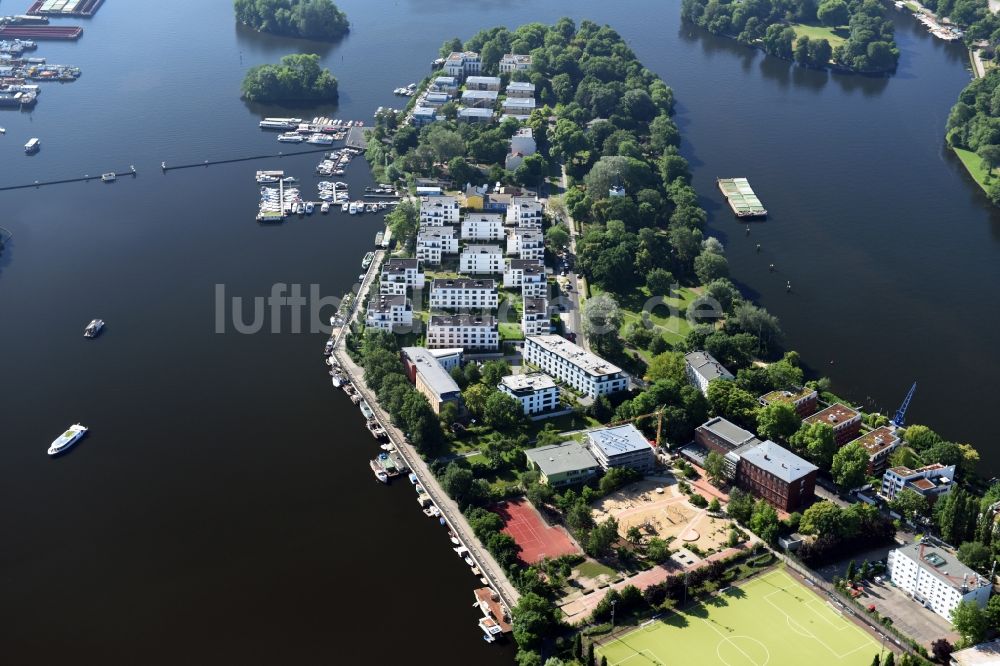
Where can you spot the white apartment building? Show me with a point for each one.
(621, 446)
(701, 368)
(522, 144)
(520, 89)
(535, 290)
(470, 332)
(930, 480)
(519, 272)
(438, 211)
(483, 227)
(934, 577)
(535, 317)
(525, 212)
(585, 372)
(526, 243)
(514, 62)
(398, 275)
(464, 294)
(388, 313)
(483, 83)
(481, 260)
(537, 392)
(461, 65)
(433, 242)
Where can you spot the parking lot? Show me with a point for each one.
(908, 616)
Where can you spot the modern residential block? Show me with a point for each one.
(536, 391)
(585, 372)
(464, 294)
(470, 332)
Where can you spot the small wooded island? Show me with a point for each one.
(309, 19)
(297, 78)
(854, 36)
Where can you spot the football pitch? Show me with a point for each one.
(771, 620)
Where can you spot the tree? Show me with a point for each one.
(502, 412)
(975, 556)
(832, 12)
(993, 611)
(970, 621)
(658, 550)
(740, 507)
(942, 650)
(778, 421)
(493, 371)
(920, 437)
(475, 398)
(659, 281)
(557, 237)
(311, 19)
(715, 506)
(633, 535)
(668, 365)
(764, 521)
(732, 402)
(909, 504)
(821, 518)
(715, 465)
(904, 456)
(450, 46)
(710, 266)
(298, 77)
(817, 442)
(850, 465)
(534, 619)
(601, 316)
(457, 482)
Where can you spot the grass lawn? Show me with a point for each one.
(773, 620)
(510, 331)
(667, 317)
(591, 569)
(974, 165)
(563, 423)
(835, 36)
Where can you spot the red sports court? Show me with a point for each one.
(536, 538)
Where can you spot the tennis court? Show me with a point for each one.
(536, 538)
(771, 620)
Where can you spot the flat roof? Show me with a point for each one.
(878, 440)
(480, 94)
(590, 363)
(431, 371)
(424, 111)
(943, 564)
(385, 302)
(397, 263)
(983, 654)
(729, 431)
(482, 249)
(523, 102)
(436, 232)
(483, 217)
(471, 111)
(521, 85)
(786, 396)
(463, 320)
(482, 79)
(463, 283)
(516, 57)
(561, 458)
(705, 365)
(439, 201)
(524, 264)
(442, 80)
(535, 305)
(618, 440)
(534, 381)
(777, 460)
(833, 415)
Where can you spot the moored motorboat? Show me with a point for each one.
(378, 471)
(67, 439)
(109, 177)
(94, 328)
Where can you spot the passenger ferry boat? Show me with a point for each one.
(67, 439)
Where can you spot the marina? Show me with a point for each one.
(741, 197)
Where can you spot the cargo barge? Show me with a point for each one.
(741, 197)
(66, 32)
(65, 7)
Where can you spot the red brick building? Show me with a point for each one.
(846, 422)
(804, 400)
(879, 443)
(776, 475)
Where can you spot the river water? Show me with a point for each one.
(221, 510)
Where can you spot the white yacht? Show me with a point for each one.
(291, 137)
(67, 439)
(309, 208)
(325, 208)
(94, 328)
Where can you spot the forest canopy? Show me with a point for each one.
(310, 19)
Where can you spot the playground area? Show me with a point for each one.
(772, 619)
(661, 510)
(536, 538)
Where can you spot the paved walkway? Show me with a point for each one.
(456, 521)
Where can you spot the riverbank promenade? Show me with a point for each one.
(449, 509)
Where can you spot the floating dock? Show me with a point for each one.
(67, 32)
(741, 197)
(65, 7)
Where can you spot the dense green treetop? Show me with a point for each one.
(298, 78)
(311, 19)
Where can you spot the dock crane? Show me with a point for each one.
(900, 418)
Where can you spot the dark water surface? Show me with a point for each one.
(221, 510)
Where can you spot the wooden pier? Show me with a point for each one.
(741, 197)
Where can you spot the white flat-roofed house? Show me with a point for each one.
(470, 332)
(444, 84)
(389, 313)
(539, 289)
(475, 115)
(934, 576)
(519, 107)
(464, 294)
(423, 115)
(520, 89)
(525, 212)
(930, 480)
(481, 260)
(462, 64)
(480, 99)
(621, 446)
(436, 100)
(515, 62)
(439, 211)
(483, 83)
(435, 242)
(398, 275)
(535, 319)
(585, 372)
(526, 243)
(483, 227)
(518, 272)
(522, 144)
(536, 392)
(701, 368)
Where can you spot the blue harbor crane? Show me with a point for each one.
(900, 416)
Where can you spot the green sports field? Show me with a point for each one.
(771, 620)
